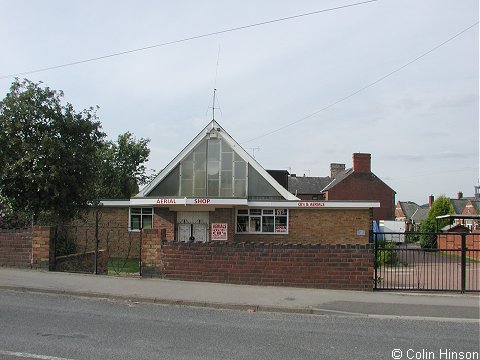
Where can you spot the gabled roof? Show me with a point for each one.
(339, 178)
(214, 129)
(458, 205)
(346, 173)
(420, 214)
(409, 208)
(307, 185)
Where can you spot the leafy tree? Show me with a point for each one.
(441, 206)
(123, 168)
(49, 154)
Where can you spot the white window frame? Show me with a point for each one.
(141, 216)
(264, 212)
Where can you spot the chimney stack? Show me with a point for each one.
(336, 169)
(460, 195)
(431, 199)
(362, 163)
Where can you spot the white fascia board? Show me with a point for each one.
(115, 203)
(167, 202)
(315, 204)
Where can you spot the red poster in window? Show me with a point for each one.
(280, 229)
(219, 231)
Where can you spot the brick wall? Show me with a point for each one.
(43, 250)
(366, 186)
(326, 226)
(83, 263)
(151, 263)
(454, 242)
(317, 266)
(16, 248)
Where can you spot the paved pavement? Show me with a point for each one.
(445, 307)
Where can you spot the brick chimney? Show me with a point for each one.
(362, 163)
(336, 169)
(460, 195)
(431, 199)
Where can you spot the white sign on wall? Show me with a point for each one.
(219, 231)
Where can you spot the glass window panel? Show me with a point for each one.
(189, 157)
(226, 148)
(213, 169)
(200, 162)
(242, 223)
(268, 223)
(280, 211)
(187, 170)
(267, 212)
(243, 211)
(255, 223)
(240, 188)
(136, 210)
(213, 150)
(227, 161)
(281, 224)
(135, 222)
(147, 222)
(200, 180)
(201, 148)
(255, 211)
(146, 211)
(226, 192)
(240, 170)
(227, 179)
(213, 187)
(187, 187)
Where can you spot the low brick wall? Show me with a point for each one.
(328, 266)
(83, 263)
(454, 242)
(16, 248)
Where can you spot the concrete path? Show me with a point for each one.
(445, 307)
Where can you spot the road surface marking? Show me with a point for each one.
(31, 356)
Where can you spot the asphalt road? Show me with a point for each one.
(52, 327)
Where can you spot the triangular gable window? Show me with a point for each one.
(211, 169)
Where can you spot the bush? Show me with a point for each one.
(65, 245)
(388, 256)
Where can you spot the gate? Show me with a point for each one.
(98, 248)
(451, 264)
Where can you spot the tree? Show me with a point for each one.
(441, 206)
(49, 154)
(123, 168)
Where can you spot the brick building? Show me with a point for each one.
(214, 190)
(357, 183)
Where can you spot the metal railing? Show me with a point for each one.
(452, 263)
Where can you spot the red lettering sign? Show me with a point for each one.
(166, 201)
(202, 201)
(311, 204)
(219, 231)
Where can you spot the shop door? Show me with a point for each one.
(192, 224)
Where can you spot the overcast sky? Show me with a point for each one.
(421, 124)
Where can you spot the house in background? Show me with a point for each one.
(411, 214)
(356, 183)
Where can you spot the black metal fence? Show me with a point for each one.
(452, 263)
(99, 248)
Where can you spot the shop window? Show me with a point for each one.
(140, 218)
(262, 221)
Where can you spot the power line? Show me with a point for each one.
(363, 88)
(185, 39)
